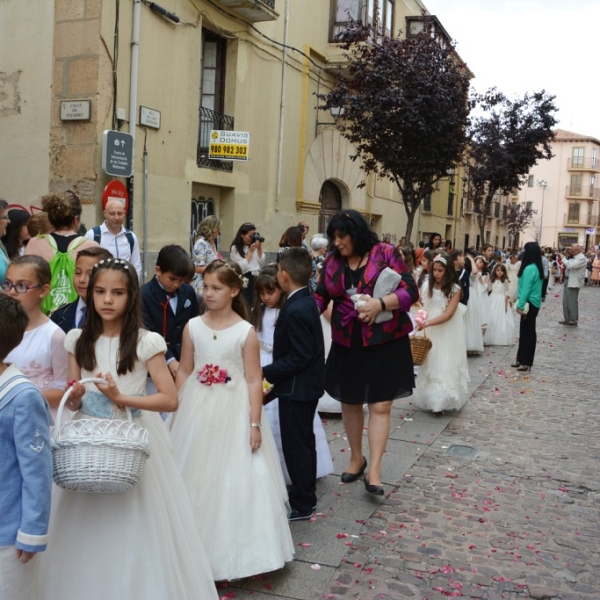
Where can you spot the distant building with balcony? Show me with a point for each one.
(565, 192)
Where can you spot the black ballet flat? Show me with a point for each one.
(352, 477)
(376, 490)
(516, 364)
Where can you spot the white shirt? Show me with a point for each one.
(118, 245)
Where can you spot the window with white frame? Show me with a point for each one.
(530, 181)
(578, 157)
(377, 13)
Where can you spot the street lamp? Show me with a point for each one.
(543, 184)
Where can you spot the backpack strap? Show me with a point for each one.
(75, 243)
(97, 234)
(129, 236)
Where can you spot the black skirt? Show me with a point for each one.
(359, 374)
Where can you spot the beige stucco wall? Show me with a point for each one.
(25, 88)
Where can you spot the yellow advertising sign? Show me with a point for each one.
(229, 145)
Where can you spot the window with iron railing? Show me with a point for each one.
(578, 157)
(212, 99)
(576, 184)
(573, 216)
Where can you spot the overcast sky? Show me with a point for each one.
(528, 45)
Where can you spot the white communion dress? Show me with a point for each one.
(443, 377)
(474, 332)
(501, 322)
(324, 462)
(239, 496)
(129, 545)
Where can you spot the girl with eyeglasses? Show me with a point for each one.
(41, 355)
(247, 252)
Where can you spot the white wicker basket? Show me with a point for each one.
(98, 455)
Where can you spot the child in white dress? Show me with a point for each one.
(483, 281)
(41, 356)
(268, 300)
(501, 323)
(474, 331)
(221, 444)
(443, 377)
(141, 543)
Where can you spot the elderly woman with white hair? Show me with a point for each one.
(319, 244)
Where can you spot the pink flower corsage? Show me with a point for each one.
(210, 374)
(421, 317)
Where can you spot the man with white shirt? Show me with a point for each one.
(119, 241)
(71, 316)
(574, 280)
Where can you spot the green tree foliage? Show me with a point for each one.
(505, 141)
(405, 105)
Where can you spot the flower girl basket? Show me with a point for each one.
(420, 347)
(98, 455)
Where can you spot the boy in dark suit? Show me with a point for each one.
(71, 316)
(168, 303)
(298, 375)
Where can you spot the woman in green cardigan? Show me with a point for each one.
(531, 277)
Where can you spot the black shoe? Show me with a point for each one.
(516, 364)
(564, 322)
(572, 323)
(352, 477)
(524, 368)
(296, 515)
(377, 490)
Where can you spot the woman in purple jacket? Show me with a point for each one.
(368, 362)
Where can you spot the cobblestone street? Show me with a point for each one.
(517, 520)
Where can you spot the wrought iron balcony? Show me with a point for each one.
(580, 191)
(583, 164)
(253, 10)
(209, 120)
(588, 220)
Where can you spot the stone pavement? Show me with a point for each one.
(519, 519)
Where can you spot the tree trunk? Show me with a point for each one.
(481, 219)
(411, 211)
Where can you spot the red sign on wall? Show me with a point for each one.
(115, 190)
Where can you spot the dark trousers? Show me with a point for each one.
(544, 288)
(527, 337)
(299, 450)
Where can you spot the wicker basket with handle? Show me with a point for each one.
(420, 346)
(98, 455)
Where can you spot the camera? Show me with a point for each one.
(256, 237)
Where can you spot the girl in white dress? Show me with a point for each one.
(41, 356)
(268, 300)
(141, 543)
(221, 444)
(483, 281)
(512, 268)
(501, 323)
(443, 377)
(474, 331)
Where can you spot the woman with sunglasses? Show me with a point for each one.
(247, 252)
(369, 362)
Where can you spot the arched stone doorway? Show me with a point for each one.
(330, 199)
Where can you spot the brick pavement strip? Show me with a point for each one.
(519, 520)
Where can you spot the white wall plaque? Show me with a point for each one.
(75, 110)
(149, 117)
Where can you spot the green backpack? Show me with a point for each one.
(62, 267)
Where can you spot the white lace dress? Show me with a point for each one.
(129, 545)
(501, 323)
(324, 462)
(239, 496)
(474, 332)
(513, 278)
(443, 377)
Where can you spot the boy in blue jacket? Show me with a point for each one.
(26, 465)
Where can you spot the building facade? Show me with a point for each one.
(565, 192)
(250, 66)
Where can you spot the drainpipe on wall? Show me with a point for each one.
(282, 104)
(135, 49)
